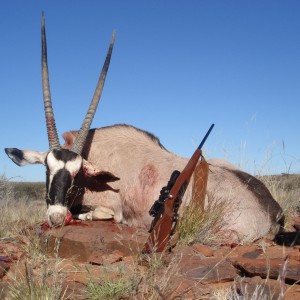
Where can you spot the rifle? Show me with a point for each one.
(165, 209)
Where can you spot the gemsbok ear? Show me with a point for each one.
(26, 157)
(69, 139)
(90, 171)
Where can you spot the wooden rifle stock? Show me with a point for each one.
(161, 232)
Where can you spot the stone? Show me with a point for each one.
(249, 251)
(98, 251)
(207, 270)
(12, 250)
(84, 273)
(269, 268)
(266, 289)
(203, 249)
(222, 252)
(292, 292)
(107, 259)
(295, 255)
(258, 288)
(183, 288)
(277, 251)
(86, 238)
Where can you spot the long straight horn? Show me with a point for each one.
(84, 130)
(50, 121)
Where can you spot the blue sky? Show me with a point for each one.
(177, 67)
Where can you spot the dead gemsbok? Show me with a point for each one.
(118, 171)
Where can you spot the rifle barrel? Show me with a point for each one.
(206, 136)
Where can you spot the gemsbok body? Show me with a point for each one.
(117, 172)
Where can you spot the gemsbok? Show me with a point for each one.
(117, 172)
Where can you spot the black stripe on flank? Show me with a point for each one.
(262, 194)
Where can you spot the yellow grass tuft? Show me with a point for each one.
(197, 225)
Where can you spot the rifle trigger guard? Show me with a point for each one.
(174, 225)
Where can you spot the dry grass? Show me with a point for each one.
(22, 206)
(286, 190)
(18, 208)
(148, 279)
(41, 277)
(109, 289)
(17, 215)
(197, 225)
(37, 282)
(155, 280)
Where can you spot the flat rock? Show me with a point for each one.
(295, 255)
(12, 249)
(83, 240)
(98, 259)
(262, 288)
(183, 288)
(266, 289)
(273, 268)
(203, 249)
(98, 251)
(207, 270)
(277, 251)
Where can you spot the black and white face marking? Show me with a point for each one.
(62, 167)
